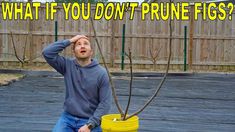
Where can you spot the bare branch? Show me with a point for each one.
(14, 47)
(24, 56)
(105, 65)
(34, 58)
(163, 79)
(159, 51)
(154, 55)
(151, 53)
(130, 87)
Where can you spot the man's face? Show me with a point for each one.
(82, 49)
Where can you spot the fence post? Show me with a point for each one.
(191, 31)
(123, 46)
(185, 48)
(56, 30)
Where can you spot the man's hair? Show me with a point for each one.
(85, 38)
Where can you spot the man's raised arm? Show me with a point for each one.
(51, 53)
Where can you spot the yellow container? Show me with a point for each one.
(111, 123)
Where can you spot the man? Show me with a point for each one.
(88, 93)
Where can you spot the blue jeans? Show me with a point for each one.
(70, 123)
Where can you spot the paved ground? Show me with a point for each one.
(190, 103)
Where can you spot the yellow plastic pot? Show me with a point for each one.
(111, 123)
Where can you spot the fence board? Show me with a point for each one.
(214, 41)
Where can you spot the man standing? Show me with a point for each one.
(88, 93)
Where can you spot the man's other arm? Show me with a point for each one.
(105, 97)
(51, 55)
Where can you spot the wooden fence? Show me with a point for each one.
(213, 41)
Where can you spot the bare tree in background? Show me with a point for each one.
(22, 59)
(154, 53)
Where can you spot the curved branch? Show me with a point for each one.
(130, 87)
(24, 56)
(163, 79)
(16, 55)
(106, 67)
